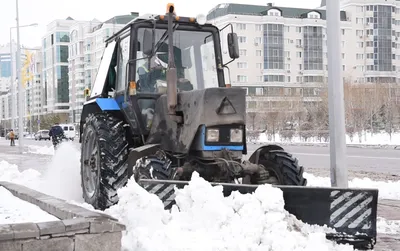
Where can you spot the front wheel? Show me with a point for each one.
(104, 154)
(280, 165)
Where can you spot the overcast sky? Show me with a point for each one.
(45, 11)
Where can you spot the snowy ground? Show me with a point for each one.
(365, 138)
(206, 220)
(15, 210)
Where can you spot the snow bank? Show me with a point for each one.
(208, 221)
(45, 150)
(388, 226)
(366, 138)
(387, 189)
(10, 173)
(15, 210)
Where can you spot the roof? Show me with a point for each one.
(261, 10)
(123, 19)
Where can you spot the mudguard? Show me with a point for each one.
(351, 212)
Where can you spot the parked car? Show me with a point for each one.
(42, 134)
(69, 131)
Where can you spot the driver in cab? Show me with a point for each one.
(155, 79)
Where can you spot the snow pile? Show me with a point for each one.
(366, 138)
(10, 173)
(15, 210)
(45, 150)
(62, 178)
(387, 189)
(388, 226)
(206, 220)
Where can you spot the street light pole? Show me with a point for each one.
(20, 95)
(337, 129)
(12, 83)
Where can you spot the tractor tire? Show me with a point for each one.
(284, 167)
(152, 167)
(106, 170)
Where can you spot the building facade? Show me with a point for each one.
(283, 52)
(55, 77)
(373, 42)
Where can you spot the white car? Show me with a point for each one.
(69, 130)
(42, 134)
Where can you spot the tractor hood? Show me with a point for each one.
(209, 107)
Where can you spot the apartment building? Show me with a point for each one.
(373, 43)
(8, 68)
(85, 51)
(283, 52)
(55, 67)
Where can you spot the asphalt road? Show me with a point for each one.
(385, 162)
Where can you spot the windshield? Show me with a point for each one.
(194, 60)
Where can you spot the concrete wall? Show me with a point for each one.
(78, 229)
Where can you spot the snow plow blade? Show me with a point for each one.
(351, 212)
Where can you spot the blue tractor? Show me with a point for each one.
(160, 109)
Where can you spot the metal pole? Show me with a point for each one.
(12, 83)
(337, 129)
(20, 94)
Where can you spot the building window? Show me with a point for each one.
(62, 53)
(62, 37)
(242, 39)
(62, 84)
(258, 27)
(274, 12)
(242, 65)
(314, 15)
(241, 26)
(258, 53)
(274, 78)
(243, 52)
(273, 46)
(241, 78)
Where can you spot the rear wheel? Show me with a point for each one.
(282, 166)
(104, 155)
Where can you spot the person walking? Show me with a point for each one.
(12, 138)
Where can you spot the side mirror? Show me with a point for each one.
(233, 45)
(147, 42)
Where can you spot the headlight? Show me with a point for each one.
(236, 135)
(212, 135)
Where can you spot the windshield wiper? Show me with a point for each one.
(162, 40)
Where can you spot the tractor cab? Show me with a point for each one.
(135, 64)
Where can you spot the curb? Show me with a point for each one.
(78, 229)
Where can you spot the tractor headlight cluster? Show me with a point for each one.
(212, 135)
(236, 135)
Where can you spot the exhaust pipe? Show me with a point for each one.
(172, 77)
